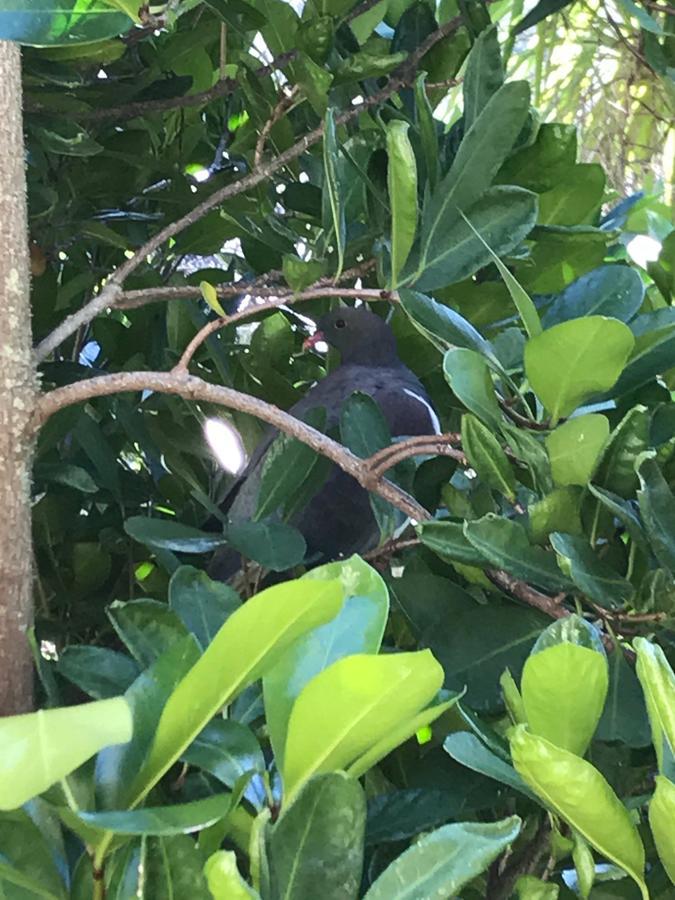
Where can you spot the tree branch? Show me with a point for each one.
(192, 388)
(284, 105)
(522, 591)
(440, 444)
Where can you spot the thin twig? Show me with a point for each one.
(422, 445)
(382, 456)
(521, 591)
(391, 548)
(284, 105)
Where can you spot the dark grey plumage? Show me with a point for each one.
(338, 519)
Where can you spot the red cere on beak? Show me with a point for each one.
(311, 342)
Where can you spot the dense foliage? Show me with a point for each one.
(490, 711)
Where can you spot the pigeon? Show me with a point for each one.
(338, 519)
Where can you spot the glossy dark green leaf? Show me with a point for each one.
(287, 465)
(540, 166)
(67, 474)
(592, 575)
(500, 218)
(487, 457)
(576, 200)
(624, 511)
(653, 355)
(484, 74)
(319, 841)
(357, 628)
(441, 863)
(529, 449)
(611, 290)
(171, 867)
(505, 544)
(444, 323)
(469, 376)
(426, 125)
(229, 751)
(201, 604)
(146, 627)
(238, 14)
(61, 24)
(28, 861)
(624, 717)
(483, 149)
(181, 818)
(399, 815)
(616, 468)
(574, 448)
(275, 545)
(657, 507)
(447, 539)
(166, 534)
(543, 9)
(98, 671)
(468, 750)
(474, 648)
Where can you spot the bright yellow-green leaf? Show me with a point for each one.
(571, 362)
(209, 294)
(661, 820)
(402, 184)
(512, 698)
(574, 790)
(658, 685)
(41, 748)
(351, 706)
(224, 879)
(249, 642)
(574, 448)
(564, 689)
(584, 864)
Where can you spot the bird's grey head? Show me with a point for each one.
(360, 336)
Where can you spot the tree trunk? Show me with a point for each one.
(17, 398)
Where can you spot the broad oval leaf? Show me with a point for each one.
(447, 540)
(468, 375)
(166, 534)
(202, 605)
(441, 863)
(613, 290)
(661, 818)
(275, 545)
(317, 844)
(564, 689)
(41, 748)
(573, 789)
(574, 448)
(357, 628)
(572, 361)
(444, 323)
(146, 627)
(350, 706)
(471, 752)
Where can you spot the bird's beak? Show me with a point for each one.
(311, 342)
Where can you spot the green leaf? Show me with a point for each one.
(41, 748)
(203, 605)
(315, 81)
(468, 375)
(444, 323)
(486, 456)
(441, 863)
(300, 273)
(398, 815)
(67, 474)
(227, 750)
(249, 643)
(661, 818)
(574, 448)
(572, 361)
(402, 186)
(224, 880)
(98, 671)
(166, 534)
(543, 9)
(471, 752)
(645, 20)
(546, 162)
(494, 225)
(65, 23)
(426, 126)
(616, 469)
(147, 628)
(30, 860)
(613, 290)
(287, 466)
(357, 628)
(181, 818)
(584, 864)
(332, 193)
(573, 789)
(448, 541)
(350, 706)
(564, 688)
(484, 74)
(653, 356)
(657, 507)
(505, 544)
(275, 545)
(521, 299)
(592, 575)
(483, 149)
(624, 717)
(529, 887)
(658, 685)
(575, 201)
(557, 511)
(317, 844)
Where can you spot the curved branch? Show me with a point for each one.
(192, 388)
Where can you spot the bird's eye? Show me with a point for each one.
(340, 323)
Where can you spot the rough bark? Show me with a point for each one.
(17, 399)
